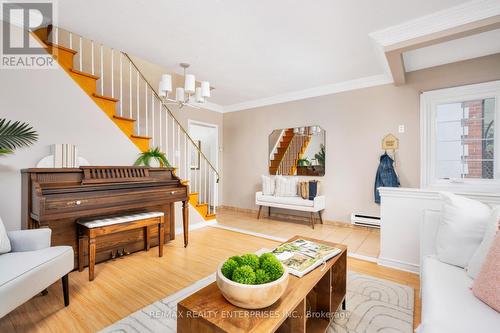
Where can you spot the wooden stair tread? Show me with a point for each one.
(61, 47)
(84, 74)
(140, 137)
(193, 193)
(106, 97)
(201, 204)
(124, 118)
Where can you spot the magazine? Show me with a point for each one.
(302, 256)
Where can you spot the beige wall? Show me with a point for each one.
(355, 123)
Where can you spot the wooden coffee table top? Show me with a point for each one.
(210, 306)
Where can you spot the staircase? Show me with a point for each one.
(112, 80)
(290, 149)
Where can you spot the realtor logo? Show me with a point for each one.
(20, 50)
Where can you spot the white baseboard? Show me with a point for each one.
(179, 230)
(248, 232)
(400, 265)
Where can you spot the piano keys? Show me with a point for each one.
(57, 198)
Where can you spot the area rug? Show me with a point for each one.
(373, 305)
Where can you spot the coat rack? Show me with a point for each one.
(390, 142)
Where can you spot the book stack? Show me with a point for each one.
(65, 155)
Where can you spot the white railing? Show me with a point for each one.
(120, 78)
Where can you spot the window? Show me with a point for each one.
(459, 136)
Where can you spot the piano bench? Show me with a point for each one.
(92, 228)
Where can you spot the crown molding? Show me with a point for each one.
(329, 89)
(445, 19)
(211, 107)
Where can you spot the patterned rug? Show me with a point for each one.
(373, 305)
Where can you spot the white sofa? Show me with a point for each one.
(295, 203)
(31, 266)
(448, 304)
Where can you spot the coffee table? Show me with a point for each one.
(308, 304)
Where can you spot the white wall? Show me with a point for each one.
(402, 211)
(60, 112)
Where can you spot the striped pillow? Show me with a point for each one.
(268, 185)
(286, 186)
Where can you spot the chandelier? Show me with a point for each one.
(189, 95)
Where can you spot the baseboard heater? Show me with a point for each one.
(365, 220)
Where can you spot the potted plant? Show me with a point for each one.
(303, 162)
(14, 135)
(320, 156)
(252, 282)
(153, 155)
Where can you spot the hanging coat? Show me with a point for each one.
(386, 175)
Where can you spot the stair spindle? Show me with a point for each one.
(146, 108)
(153, 119)
(71, 40)
(113, 73)
(102, 70)
(138, 104)
(130, 89)
(92, 61)
(121, 85)
(80, 53)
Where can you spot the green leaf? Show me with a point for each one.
(15, 135)
(5, 151)
(153, 153)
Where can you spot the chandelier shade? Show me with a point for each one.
(205, 89)
(198, 95)
(190, 84)
(165, 85)
(179, 94)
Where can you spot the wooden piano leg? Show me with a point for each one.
(161, 236)
(81, 244)
(147, 238)
(185, 222)
(91, 255)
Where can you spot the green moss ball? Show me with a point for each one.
(251, 260)
(265, 256)
(273, 268)
(261, 276)
(244, 274)
(237, 259)
(228, 268)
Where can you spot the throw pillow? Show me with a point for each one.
(268, 185)
(304, 190)
(286, 186)
(485, 286)
(477, 260)
(461, 230)
(313, 189)
(4, 240)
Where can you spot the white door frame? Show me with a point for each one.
(216, 164)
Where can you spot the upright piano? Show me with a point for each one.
(57, 198)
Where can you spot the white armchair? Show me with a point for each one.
(31, 266)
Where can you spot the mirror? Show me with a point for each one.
(298, 151)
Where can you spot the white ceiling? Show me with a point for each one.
(469, 47)
(249, 50)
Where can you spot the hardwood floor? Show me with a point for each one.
(126, 285)
(360, 240)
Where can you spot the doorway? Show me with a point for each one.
(207, 136)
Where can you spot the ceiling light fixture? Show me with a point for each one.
(189, 95)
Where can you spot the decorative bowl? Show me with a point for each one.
(251, 296)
